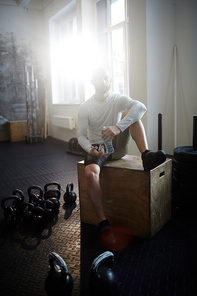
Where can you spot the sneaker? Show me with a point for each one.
(104, 225)
(151, 159)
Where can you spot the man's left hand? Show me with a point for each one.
(109, 132)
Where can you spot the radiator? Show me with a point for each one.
(63, 121)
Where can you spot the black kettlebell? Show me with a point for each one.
(48, 207)
(53, 194)
(38, 220)
(12, 212)
(26, 212)
(37, 198)
(20, 194)
(70, 196)
(102, 279)
(59, 281)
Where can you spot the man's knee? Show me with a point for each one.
(92, 173)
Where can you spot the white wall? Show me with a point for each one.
(186, 40)
(26, 25)
(160, 88)
(169, 25)
(137, 59)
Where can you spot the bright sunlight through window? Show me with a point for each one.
(112, 27)
(73, 57)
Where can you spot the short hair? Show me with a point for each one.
(98, 70)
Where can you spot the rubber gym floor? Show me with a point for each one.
(164, 265)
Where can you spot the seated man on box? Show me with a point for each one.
(107, 115)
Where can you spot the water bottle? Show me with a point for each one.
(108, 145)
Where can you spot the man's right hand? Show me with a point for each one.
(94, 151)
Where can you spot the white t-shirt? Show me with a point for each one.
(94, 115)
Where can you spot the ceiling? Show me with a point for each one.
(29, 4)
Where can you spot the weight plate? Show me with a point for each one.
(185, 154)
(185, 167)
(189, 186)
(185, 205)
(184, 176)
(74, 147)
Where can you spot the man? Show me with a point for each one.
(110, 116)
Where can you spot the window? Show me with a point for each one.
(112, 30)
(68, 42)
(63, 49)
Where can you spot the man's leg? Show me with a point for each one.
(92, 172)
(150, 159)
(139, 136)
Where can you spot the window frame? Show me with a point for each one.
(63, 17)
(110, 28)
(66, 22)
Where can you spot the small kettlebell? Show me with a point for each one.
(55, 192)
(36, 199)
(70, 196)
(102, 279)
(38, 220)
(48, 207)
(19, 193)
(26, 212)
(11, 213)
(59, 281)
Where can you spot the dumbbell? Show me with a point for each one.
(35, 198)
(59, 281)
(53, 194)
(11, 212)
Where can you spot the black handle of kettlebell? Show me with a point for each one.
(70, 185)
(55, 260)
(35, 187)
(22, 196)
(102, 257)
(27, 204)
(52, 183)
(11, 197)
(47, 202)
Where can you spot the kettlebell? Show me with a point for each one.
(102, 279)
(11, 213)
(19, 193)
(48, 207)
(70, 196)
(26, 212)
(38, 219)
(59, 281)
(53, 194)
(36, 199)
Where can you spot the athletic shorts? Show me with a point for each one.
(121, 144)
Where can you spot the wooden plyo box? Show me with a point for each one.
(132, 197)
(17, 130)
